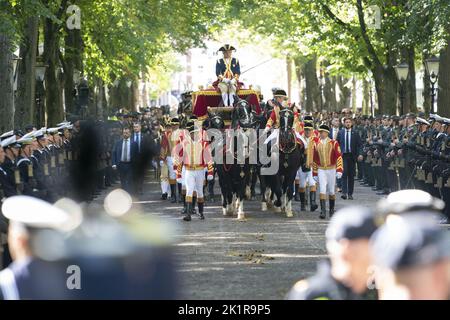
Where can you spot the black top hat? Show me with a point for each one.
(227, 47)
(308, 119)
(308, 125)
(280, 93)
(324, 127)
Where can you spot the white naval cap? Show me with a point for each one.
(52, 130)
(39, 133)
(407, 201)
(422, 121)
(7, 135)
(25, 140)
(8, 141)
(36, 213)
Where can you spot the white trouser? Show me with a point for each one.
(172, 173)
(165, 187)
(183, 178)
(194, 182)
(228, 89)
(306, 179)
(327, 181)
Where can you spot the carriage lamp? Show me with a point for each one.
(432, 66)
(402, 71)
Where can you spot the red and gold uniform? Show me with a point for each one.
(326, 164)
(274, 119)
(194, 155)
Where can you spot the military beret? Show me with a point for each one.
(404, 242)
(352, 223)
(18, 132)
(29, 128)
(308, 125)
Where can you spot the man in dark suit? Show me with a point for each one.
(335, 128)
(125, 155)
(138, 138)
(351, 148)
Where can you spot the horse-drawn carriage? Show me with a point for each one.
(210, 100)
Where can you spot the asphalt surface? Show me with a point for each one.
(258, 258)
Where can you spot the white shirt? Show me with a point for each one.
(348, 139)
(126, 145)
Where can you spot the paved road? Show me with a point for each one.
(259, 258)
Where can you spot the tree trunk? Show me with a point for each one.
(55, 111)
(312, 85)
(444, 82)
(354, 84)
(298, 70)
(344, 94)
(411, 87)
(426, 94)
(366, 97)
(72, 61)
(289, 76)
(6, 84)
(26, 79)
(329, 89)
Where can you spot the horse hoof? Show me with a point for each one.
(289, 214)
(263, 206)
(241, 216)
(224, 211)
(248, 193)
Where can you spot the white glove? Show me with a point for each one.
(210, 177)
(316, 179)
(161, 163)
(339, 175)
(266, 130)
(114, 167)
(180, 180)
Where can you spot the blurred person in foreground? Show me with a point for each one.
(345, 275)
(411, 251)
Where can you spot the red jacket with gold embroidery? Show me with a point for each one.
(274, 120)
(326, 154)
(193, 155)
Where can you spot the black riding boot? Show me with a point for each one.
(200, 210)
(302, 197)
(323, 209)
(298, 196)
(183, 196)
(211, 190)
(332, 202)
(187, 217)
(180, 198)
(312, 199)
(173, 191)
(164, 196)
(194, 200)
